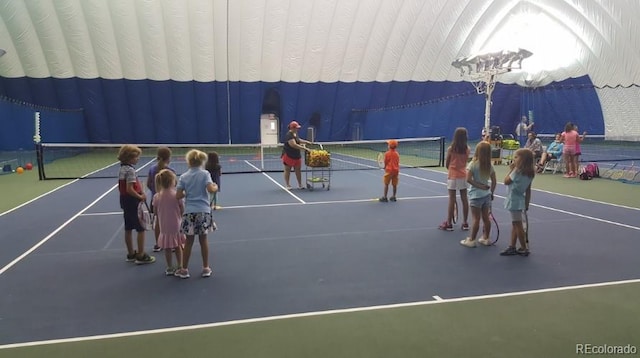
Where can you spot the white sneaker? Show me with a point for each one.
(468, 242)
(484, 241)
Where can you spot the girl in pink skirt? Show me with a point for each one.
(169, 211)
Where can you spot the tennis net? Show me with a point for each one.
(598, 148)
(77, 161)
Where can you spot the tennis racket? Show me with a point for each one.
(496, 234)
(380, 160)
(145, 217)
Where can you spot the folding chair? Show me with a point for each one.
(554, 165)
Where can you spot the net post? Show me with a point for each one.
(37, 140)
(36, 132)
(442, 151)
(40, 161)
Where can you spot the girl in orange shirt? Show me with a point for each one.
(456, 163)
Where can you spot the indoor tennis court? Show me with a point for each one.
(321, 268)
(297, 255)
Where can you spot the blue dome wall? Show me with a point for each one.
(145, 111)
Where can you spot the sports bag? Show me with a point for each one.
(590, 171)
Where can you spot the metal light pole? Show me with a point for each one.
(483, 71)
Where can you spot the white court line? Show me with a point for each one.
(102, 214)
(312, 236)
(251, 206)
(114, 236)
(558, 210)
(422, 179)
(329, 202)
(326, 235)
(317, 313)
(615, 223)
(570, 213)
(586, 217)
(62, 186)
(34, 247)
(540, 190)
(79, 213)
(589, 200)
(471, 298)
(275, 182)
(36, 198)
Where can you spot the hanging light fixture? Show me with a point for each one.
(497, 62)
(484, 69)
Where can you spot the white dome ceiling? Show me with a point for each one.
(317, 41)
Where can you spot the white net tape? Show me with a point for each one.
(36, 137)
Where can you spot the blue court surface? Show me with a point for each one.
(278, 252)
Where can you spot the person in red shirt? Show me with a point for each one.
(391, 171)
(291, 158)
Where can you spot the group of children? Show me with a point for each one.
(565, 145)
(478, 175)
(480, 178)
(571, 149)
(182, 207)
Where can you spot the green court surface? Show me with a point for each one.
(548, 324)
(20, 188)
(545, 323)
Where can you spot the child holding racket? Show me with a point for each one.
(391, 171)
(456, 163)
(131, 194)
(214, 168)
(169, 213)
(195, 186)
(518, 182)
(481, 178)
(163, 158)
